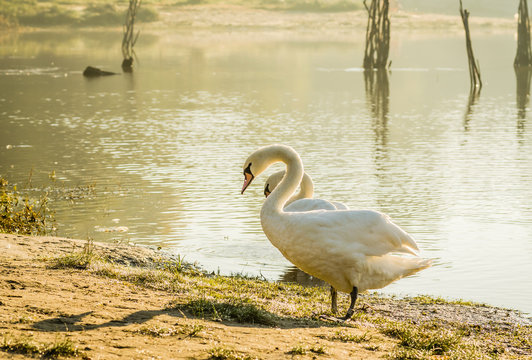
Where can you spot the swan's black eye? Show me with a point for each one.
(267, 190)
(248, 170)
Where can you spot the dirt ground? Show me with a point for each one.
(105, 318)
(111, 319)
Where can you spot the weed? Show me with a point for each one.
(318, 349)
(23, 345)
(298, 350)
(347, 337)
(436, 341)
(61, 348)
(19, 216)
(192, 330)
(158, 331)
(303, 350)
(78, 260)
(220, 353)
(237, 311)
(26, 346)
(429, 300)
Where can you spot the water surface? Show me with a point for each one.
(160, 151)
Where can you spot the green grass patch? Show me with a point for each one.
(433, 340)
(27, 346)
(222, 353)
(236, 311)
(158, 331)
(78, 260)
(429, 300)
(20, 215)
(344, 336)
(303, 350)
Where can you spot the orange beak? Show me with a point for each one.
(248, 178)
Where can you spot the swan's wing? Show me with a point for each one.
(362, 231)
(309, 205)
(339, 205)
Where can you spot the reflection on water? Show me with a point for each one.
(474, 94)
(155, 157)
(522, 77)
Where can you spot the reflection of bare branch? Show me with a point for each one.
(522, 76)
(129, 40)
(377, 35)
(474, 94)
(474, 69)
(378, 100)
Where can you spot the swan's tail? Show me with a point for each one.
(388, 268)
(408, 244)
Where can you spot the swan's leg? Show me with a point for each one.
(351, 309)
(334, 303)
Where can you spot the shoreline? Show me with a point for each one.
(233, 17)
(135, 302)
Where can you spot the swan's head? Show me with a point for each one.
(262, 158)
(272, 182)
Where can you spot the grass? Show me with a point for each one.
(344, 336)
(26, 346)
(237, 311)
(187, 330)
(244, 300)
(222, 353)
(424, 339)
(303, 350)
(76, 260)
(22, 215)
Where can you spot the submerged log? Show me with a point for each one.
(127, 65)
(94, 72)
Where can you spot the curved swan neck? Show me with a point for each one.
(306, 189)
(288, 185)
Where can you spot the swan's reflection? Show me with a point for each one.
(294, 275)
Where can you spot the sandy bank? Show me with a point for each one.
(108, 317)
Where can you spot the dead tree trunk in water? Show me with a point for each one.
(129, 39)
(377, 35)
(474, 72)
(523, 57)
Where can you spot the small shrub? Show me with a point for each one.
(61, 348)
(78, 260)
(19, 216)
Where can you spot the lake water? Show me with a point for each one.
(160, 151)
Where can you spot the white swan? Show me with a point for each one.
(349, 249)
(306, 191)
(304, 201)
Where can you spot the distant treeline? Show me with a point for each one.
(39, 13)
(57, 13)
